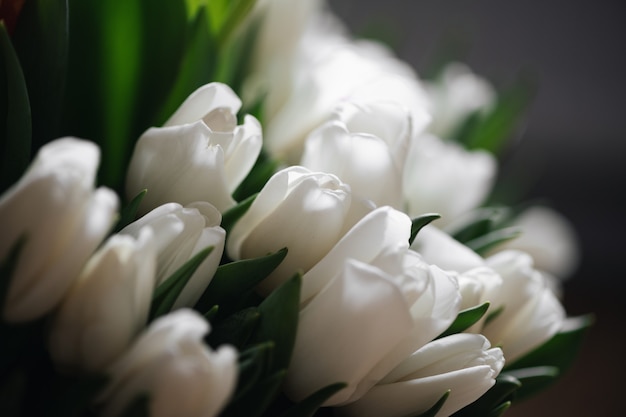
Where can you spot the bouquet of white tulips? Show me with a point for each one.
(235, 208)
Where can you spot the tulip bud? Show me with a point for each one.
(200, 154)
(107, 306)
(179, 234)
(442, 177)
(365, 145)
(464, 364)
(62, 220)
(531, 312)
(456, 95)
(305, 211)
(378, 302)
(169, 363)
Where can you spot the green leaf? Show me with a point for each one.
(492, 401)
(279, 321)
(239, 10)
(236, 50)
(533, 380)
(197, 66)
(308, 406)
(485, 243)
(123, 59)
(254, 182)
(253, 363)
(236, 329)
(41, 42)
(211, 314)
(432, 411)
(15, 116)
(256, 401)
(129, 213)
(419, 222)
(233, 280)
(479, 223)
(501, 409)
(166, 293)
(232, 215)
(466, 319)
(561, 350)
(490, 131)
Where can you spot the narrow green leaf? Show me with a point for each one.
(561, 350)
(419, 222)
(129, 213)
(236, 329)
(279, 321)
(41, 42)
(479, 223)
(308, 406)
(492, 130)
(466, 319)
(166, 294)
(485, 243)
(239, 10)
(256, 401)
(233, 280)
(533, 380)
(211, 314)
(254, 182)
(432, 411)
(196, 68)
(253, 363)
(501, 409)
(232, 215)
(15, 116)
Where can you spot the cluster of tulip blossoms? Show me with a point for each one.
(363, 142)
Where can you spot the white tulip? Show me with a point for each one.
(549, 238)
(442, 177)
(62, 220)
(170, 363)
(456, 95)
(179, 234)
(107, 306)
(327, 69)
(307, 212)
(365, 145)
(200, 154)
(366, 306)
(531, 312)
(439, 248)
(461, 363)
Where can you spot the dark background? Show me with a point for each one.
(573, 146)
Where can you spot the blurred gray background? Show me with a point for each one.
(573, 146)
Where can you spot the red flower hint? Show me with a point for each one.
(9, 12)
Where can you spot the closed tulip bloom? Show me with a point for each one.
(365, 145)
(61, 219)
(107, 306)
(179, 234)
(454, 96)
(330, 68)
(442, 177)
(464, 364)
(305, 211)
(374, 306)
(531, 312)
(200, 154)
(170, 364)
(549, 238)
